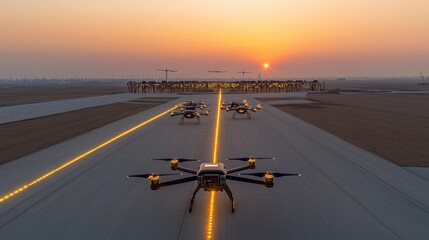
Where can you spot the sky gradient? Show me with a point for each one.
(310, 38)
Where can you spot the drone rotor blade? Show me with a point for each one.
(188, 160)
(238, 159)
(247, 158)
(151, 174)
(161, 159)
(287, 175)
(262, 174)
(179, 159)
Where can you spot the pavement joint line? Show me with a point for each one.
(22, 188)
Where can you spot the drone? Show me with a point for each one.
(243, 110)
(213, 176)
(191, 105)
(189, 114)
(226, 105)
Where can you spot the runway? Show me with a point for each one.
(33, 110)
(344, 193)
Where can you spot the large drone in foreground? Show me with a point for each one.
(213, 176)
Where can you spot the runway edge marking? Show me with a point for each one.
(24, 187)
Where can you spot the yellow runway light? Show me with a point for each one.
(217, 127)
(89, 152)
(209, 231)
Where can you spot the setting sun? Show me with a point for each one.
(266, 65)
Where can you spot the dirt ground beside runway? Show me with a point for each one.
(21, 138)
(393, 126)
(32, 93)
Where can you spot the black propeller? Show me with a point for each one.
(275, 174)
(247, 158)
(178, 159)
(153, 174)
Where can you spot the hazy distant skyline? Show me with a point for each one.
(304, 38)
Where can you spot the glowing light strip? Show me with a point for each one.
(210, 223)
(74, 160)
(209, 232)
(217, 127)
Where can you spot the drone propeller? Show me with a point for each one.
(248, 158)
(174, 158)
(275, 174)
(153, 175)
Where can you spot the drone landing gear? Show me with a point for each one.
(228, 191)
(193, 198)
(247, 113)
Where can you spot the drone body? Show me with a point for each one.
(213, 176)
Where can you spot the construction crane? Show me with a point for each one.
(243, 72)
(166, 70)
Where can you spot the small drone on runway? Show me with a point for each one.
(243, 110)
(213, 176)
(191, 105)
(189, 114)
(226, 105)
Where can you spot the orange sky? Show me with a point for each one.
(134, 37)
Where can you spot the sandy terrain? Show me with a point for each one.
(31, 93)
(389, 85)
(393, 126)
(24, 137)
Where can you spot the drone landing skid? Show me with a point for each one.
(182, 120)
(227, 190)
(248, 115)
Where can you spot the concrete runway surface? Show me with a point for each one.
(33, 110)
(344, 193)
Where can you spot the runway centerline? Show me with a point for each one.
(209, 232)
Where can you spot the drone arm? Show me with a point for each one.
(238, 169)
(178, 181)
(187, 170)
(173, 114)
(204, 113)
(242, 179)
